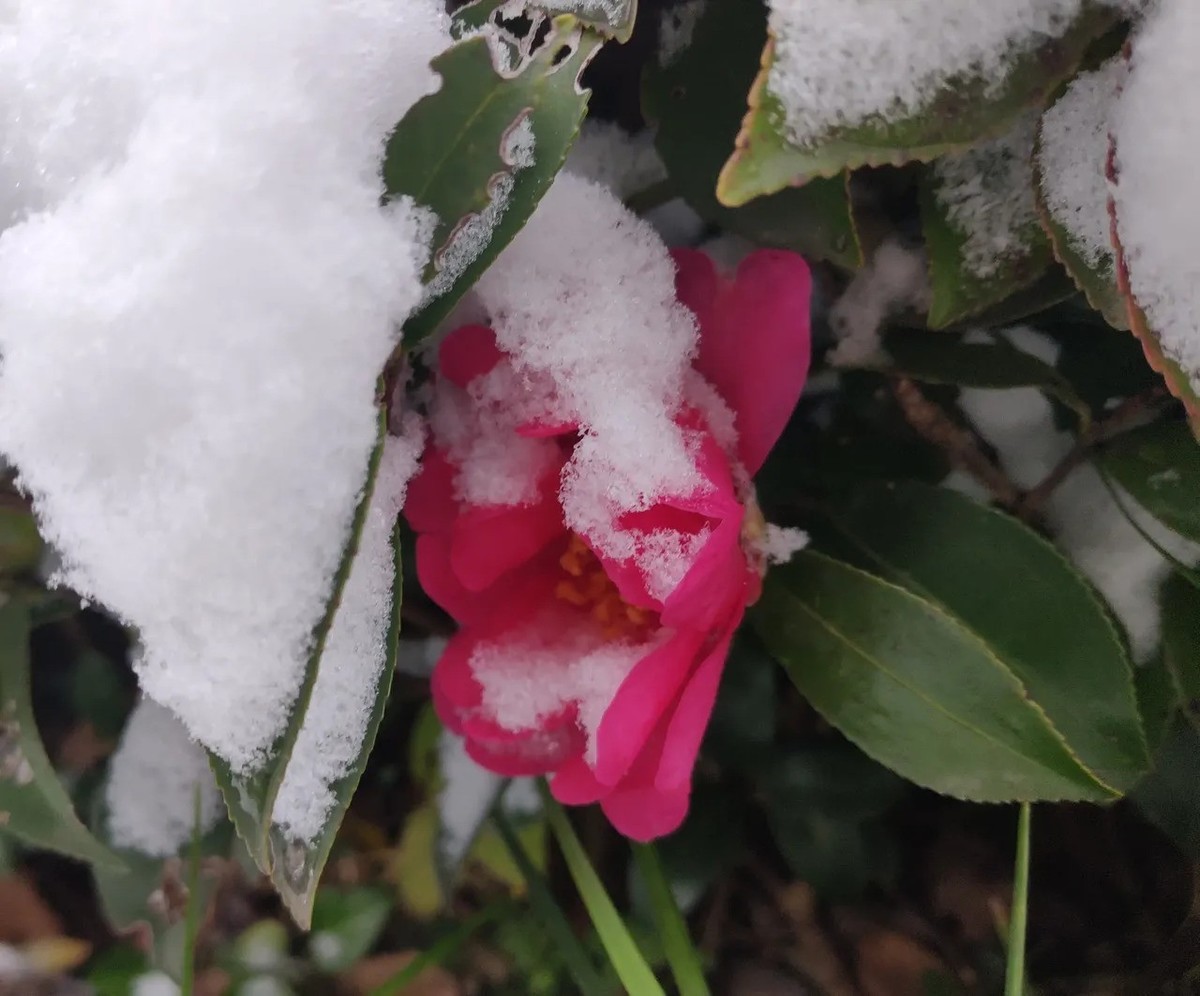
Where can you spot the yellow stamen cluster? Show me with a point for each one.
(587, 586)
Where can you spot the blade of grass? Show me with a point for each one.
(192, 915)
(1014, 978)
(579, 964)
(677, 942)
(443, 950)
(630, 966)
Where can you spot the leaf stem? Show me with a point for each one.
(1014, 979)
(677, 943)
(620, 947)
(554, 920)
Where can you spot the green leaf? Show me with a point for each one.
(1181, 643)
(1159, 465)
(1097, 281)
(945, 359)
(913, 687)
(21, 546)
(823, 803)
(454, 153)
(1170, 795)
(959, 288)
(672, 928)
(697, 101)
(966, 109)
(1157, 700)
(294, 867)
(33, 803)
(620, 947)
(1039, 619)
(345, 926)
(611, 18)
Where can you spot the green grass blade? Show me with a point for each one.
(192, 915)
(578, 963)
(677, 942)
(630, 966)
(1014, 979)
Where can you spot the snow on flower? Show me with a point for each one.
(597, 589)
(198, 290)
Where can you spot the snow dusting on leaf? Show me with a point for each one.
(195, 302)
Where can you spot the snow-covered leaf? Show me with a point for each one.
(697, 102)
(491, 140)
(914, 687)
(826, 100)
(33, 803)
(981, 225)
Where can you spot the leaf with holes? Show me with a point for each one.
(696, 100)
(982, 232)
(768, 156)
(33, 803)
(483, 150)
(612, 18)
(1014, 591)
(914, 687)
(1159, 465)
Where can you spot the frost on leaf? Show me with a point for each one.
(156, 778)
(196, 298)
(1156, 131)
(843, 63)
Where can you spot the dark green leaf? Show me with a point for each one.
(966, 109)
(1159, 465)
(1170, 795)
(1017, 594)
(958, 289)
(1181, 642)
(21, 545)
(823, 803)
(33, 803)
(1157, 701)
(453, 153)
(946, 359)
(698, 101)
(913, 687)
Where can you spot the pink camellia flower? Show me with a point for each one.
(573, 664)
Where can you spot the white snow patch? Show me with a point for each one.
(841, 63)
(604, 345)
(1087, 523)
(153, 780)
(548, 668)
(987, 194)
(1072, 158)
(467, 793)
(155, 984)
(1156, 127)
(193, 313)
(782, 543)
(607, 154)
(676, 27)
(343, 695)
(893, 279)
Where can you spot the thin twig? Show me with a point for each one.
(960, 445)
(1127, 414)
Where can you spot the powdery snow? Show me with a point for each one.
(987, 193)
(1087, 524)
(193, 313)
(607, 154)
(894, 278)
(153, 779)
(334, 727)
(840, 63)
(1156, 126)
(603, 344)
(1072, 157)
(676, 27)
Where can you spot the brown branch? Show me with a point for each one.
(1126, 415)
(961, 446)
